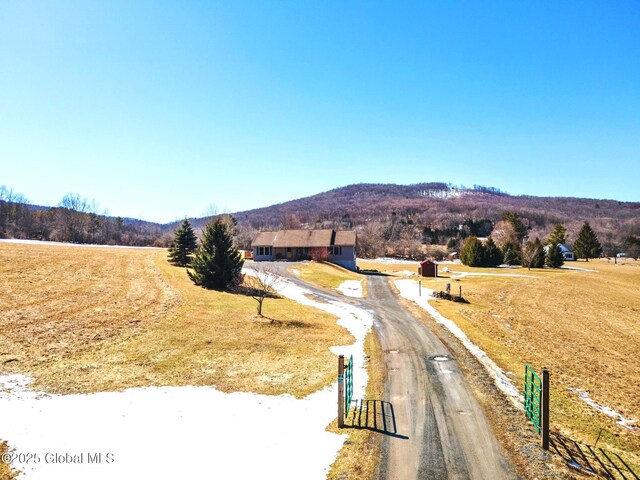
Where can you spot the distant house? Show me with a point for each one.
(566, 252)
(299, 244)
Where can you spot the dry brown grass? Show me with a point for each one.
(82, 320)
(359, 458)
(326, 275)
(56, 301)
(6, 472)
(583, 326)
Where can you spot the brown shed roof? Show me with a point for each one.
(304, 238)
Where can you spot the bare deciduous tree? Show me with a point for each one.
(371, 241)
(261, 284)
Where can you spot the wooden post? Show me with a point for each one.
(460, 295)
(545, 409)
(419, 288)
(341, 391)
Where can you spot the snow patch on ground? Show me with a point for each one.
(351, 288)
(62, 244)
(182, 432)
(578, 269)
(406, 273)
(390, 261)
(480, 274)
(409, 290)
(173, 432)
(620, 420)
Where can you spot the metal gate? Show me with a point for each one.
(533, 397)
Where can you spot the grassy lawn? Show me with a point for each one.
(326, 275)
(583, 326)
(83, 320)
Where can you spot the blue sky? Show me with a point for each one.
(157, 110)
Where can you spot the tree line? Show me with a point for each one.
(513, 248)
(75, 219)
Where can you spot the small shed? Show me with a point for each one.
(428, 268)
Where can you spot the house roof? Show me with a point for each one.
(564, 248)
(345, 238)
(304, 238)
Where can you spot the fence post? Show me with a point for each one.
(341, 391)
(419, 288)
(545, 409)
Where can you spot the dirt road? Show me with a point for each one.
(440, 430)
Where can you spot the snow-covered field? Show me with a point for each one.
(180, 432)
(351, 288)
(409, 290)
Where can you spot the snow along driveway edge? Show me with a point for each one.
(409, 290)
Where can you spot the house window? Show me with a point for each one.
(336, 250)
(262, 251)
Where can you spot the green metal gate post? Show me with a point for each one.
(341, 391)
(545, 409)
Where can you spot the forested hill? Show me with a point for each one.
(387, 214)
(439, 205)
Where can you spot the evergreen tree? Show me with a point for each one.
(554, 258)
(587, 245)
(558, 235)
(472, 253)
(216, 263)
(183, 245)
(511, 253)
(492, 254)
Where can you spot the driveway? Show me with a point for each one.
(440, 430)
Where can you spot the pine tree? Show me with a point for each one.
(216, 263)
(554, 258)
(183, 245)
(472, 253)
(558, 235)
(511, 253)
(492, 254)
(587, 245)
